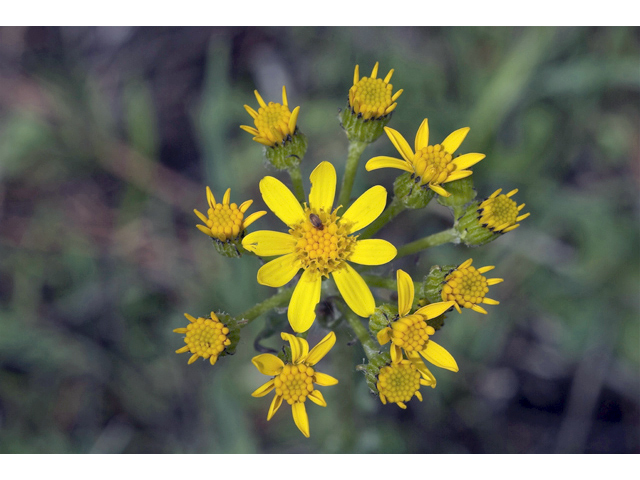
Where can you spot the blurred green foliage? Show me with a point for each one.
(99, 256)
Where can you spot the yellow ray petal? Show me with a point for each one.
(422, 137)
(453, 141)
(259, 98)
(279, 271)
(281, 201)
(268, 364)
(323, 187)
(317, 398)
(264, 389)
(284, 96)
(293, 120)
(396, 353)
(253, 131)
(301, 418)
(366, 208)
(439, 190)
(388, 162)
(251, 112)
(252, 218)
(299, 346)
(201, 216)
(205, 230)
(267, 243)
(467, 160)
(457, 175)
(354, 290)
(227, 197)
(405, 292)
(321, 349)
(400, 143)
(372, 252)
(384, 336)
(302, 308)
(374, 72)
(325, 380)
(356, 74)
(275, 405)
(437, 355)
(435, 309)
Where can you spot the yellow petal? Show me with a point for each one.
(400, 143)
(201, 216)
(268, 364)
(317, 398)
(372, 252)
(264, 389)
(259, 98)
(422, 137)
(453, 141)
(439, 190)
(249, 129)
(323, 187)
(301, 418)
(467, 160)
(457, 175)
(302, 308)
(299, 346)
(388, 162)
(437, 355)
(275, 405)
(405, 292)
(293, 119)
(325, 380)
(281, 201)
(354, 290)
(252, 218)
(267, 243)
(396, 353)
(435, 309)
(280, 271)
(366, 208)
(384, 336)
(321, 349)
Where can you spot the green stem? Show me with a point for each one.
(278, 300)
(446, 236)
(355, 152)
(395, 207)
(355, 322)
(296, 180)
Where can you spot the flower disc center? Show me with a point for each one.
(433, 164)
(500, 213)
(398, 382)
(207, 337)
(322, 244)
(294, 383)
(370, 97)
(411, 333)
(273, 122)
(465, 286)
(225, 221)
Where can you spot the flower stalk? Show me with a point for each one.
(446, 236)
(355, 152)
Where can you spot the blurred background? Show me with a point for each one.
(108, 137)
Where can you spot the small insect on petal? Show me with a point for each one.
(316, 222)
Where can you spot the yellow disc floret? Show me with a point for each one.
(371, 97)
(205, 337)
(322, 244)
(398, 383)
(274, 122)
(411, 333)
(499, 213)
(433, 164)
(467, 287)
(294, 383)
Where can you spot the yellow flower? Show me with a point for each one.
(433, 165)
(467, 287)
(371, 97)
(321, 243)
(226, 221)
(410, 332)
(400, 381)
(294, 381)
(206, 338)
(499, 213)
(274, 123)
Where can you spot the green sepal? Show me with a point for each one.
(231, 248)
(234, 327)
(432, 284)
(372, 369)
(360, 130)
(462, 192)
(289, 153)
(382, 317)
(407, 188)
(472, 232)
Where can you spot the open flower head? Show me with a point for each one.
(372, 97)
(398, 382)
(205, 337)
(294, 381)
(274, 123)
(432, 165)
(320, 242)
(225, 221)
(500, 213)
(467, 287)
(410, 333)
